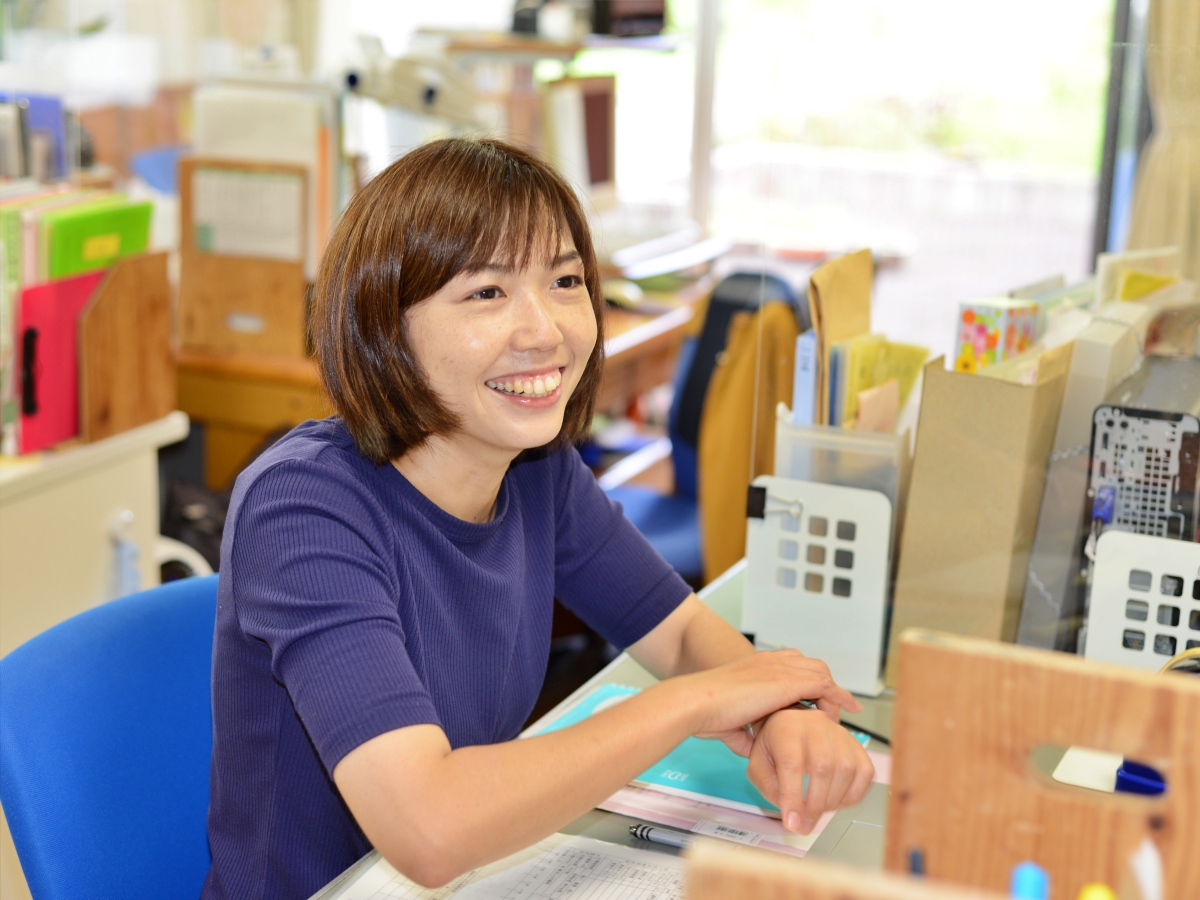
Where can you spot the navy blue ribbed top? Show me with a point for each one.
(350, 605)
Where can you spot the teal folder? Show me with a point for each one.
(704, 770)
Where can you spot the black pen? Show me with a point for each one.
(661, 836)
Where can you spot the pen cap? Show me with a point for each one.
(1029, 882)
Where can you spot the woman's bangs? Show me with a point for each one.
(523, 226)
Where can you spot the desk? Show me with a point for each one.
(241, 400)
(854, 836)
(56, 554)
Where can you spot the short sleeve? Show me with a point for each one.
(314, 578)
(606, 572)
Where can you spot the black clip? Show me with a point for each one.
(29, 367)
(756, 502)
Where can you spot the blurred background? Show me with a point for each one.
(964, 143)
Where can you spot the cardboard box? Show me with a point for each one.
(993, 330)
(977, 475)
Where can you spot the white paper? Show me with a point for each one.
(243, 212)
(561, 867)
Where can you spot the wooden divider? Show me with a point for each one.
(966, 795)
(721, 871)
(126, 367)
(242, 305)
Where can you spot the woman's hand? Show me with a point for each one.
(749, 689)
(798, 742)
(790, 743)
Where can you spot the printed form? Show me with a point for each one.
(562, 867)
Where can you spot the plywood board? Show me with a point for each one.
(126, 368)
(966, 794)
(719, 871)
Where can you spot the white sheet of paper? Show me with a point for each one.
(243, 212)
(562, 867)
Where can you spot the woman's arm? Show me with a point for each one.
(692, 638)
(434, 812)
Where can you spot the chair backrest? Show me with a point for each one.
(105, 747)
(740, 292)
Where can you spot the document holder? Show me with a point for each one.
(817, 565)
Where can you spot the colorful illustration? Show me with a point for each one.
(992, 330)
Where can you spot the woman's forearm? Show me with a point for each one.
(476, 804)
(709, 641)
(691, 639)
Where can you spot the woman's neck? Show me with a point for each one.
(462, 480)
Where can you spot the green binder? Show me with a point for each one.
(83, 239)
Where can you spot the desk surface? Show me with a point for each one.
(855, 834)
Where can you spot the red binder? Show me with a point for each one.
(47, 347)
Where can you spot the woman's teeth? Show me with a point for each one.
(534, 387)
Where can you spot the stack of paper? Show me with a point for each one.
(560, 867)
(860, 368)
(276, 125)
(839, 300)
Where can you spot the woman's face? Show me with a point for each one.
(505, 349)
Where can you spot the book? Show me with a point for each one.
(46, 125)
(46, 331)
(698, 769)
(14, 201)
(93, 236)
(804, 379)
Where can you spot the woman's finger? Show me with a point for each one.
(839, 785)
(761, 772)
(789, 759)
(863, 776)
(831, 709)
(821, 768)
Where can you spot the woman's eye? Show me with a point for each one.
(488, 293)
(568, 281)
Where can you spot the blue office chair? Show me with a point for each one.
(672, 523)
(105, 745)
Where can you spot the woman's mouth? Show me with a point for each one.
(528, 385)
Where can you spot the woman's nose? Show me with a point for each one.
(536, 325)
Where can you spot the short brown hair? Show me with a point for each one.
(449, 207)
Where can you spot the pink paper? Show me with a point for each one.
(689, 815)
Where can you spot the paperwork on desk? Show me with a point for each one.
(562, 867)
(701, 786)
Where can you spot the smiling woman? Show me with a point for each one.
(491, 212)
(388, 574)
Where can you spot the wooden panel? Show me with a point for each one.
(216, 290)
(252, 403)
(964, 792)
(721, 871)
(226, 452)
(241, 401)
(126, 371)
(262, 299)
